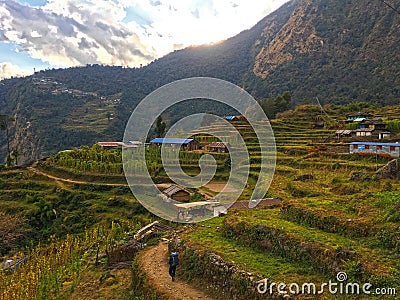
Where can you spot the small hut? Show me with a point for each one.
(177, 193)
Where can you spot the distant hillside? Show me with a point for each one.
(338, 52)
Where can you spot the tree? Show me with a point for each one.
(160, 127)
(272, 106)
(11, 230)
(282, 102)
(5, 121)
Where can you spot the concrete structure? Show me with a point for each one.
(375, 148)
(384, 135)
(364, 132)
(220, 210)
(189, 211)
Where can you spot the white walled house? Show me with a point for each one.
(392, 149)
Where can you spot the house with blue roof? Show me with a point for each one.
(185, 144)
(375, 148)
(230, 118)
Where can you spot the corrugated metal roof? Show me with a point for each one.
(196, 204)
(134, 143)
(110, 144)
(344, 131)
(173, 189)
(358, 114)
(171, 141)
(365, 130)
(376, 144)
(359, 119)
(117, 144)
(373, 122)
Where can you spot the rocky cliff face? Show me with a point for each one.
(332, 49)
(391, 170)
(25, 141)
(297, 36)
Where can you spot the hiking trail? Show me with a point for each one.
(68, 180)
(154, 263)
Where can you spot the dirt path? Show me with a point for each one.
(71, 180)
(219, 186)
(154, 263)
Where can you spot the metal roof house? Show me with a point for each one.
(364, 131)
(110, 145)
(357, 117)
(375, 148)
(189, 211)
(344, 133)
(177, 193)
(376, 124)
(186, 144)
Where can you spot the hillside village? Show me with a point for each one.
(318, 176)
(359, 129)
(369, 136)
(310, 212)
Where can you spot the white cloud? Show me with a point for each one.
(8, 70)
(72, 32)
(193, 22)
(79, 32)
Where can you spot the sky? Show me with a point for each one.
(41, 34)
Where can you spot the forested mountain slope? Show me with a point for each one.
(337, 51)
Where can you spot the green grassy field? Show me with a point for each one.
(321, 219)
(325, 225)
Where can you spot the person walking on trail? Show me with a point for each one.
(173, 263)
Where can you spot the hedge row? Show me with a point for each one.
(327, 223)
(386, 236)
(326, 259)
(224, 278)
(322, 257)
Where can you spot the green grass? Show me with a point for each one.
(370, 203)
(252, 260)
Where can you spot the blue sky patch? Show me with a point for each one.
(137, 15)
(21, 59)
(33, 2)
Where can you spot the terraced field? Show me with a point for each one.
(327, 223)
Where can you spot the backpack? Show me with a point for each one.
(175, 259)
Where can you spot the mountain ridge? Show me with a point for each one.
(338, 52)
